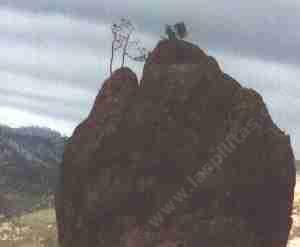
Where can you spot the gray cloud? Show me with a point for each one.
(254, 28)
(41, 108)
(46, 106)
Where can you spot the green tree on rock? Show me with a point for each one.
(177, 31)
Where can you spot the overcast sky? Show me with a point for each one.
(54, 54)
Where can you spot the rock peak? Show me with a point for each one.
(176, 52)
(123, 72)
(140, 144)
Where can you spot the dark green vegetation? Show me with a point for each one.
(177, 31)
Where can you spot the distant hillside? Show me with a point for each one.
(29, 162)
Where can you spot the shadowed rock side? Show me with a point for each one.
(142, 144)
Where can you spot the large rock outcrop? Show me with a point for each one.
(186, 157)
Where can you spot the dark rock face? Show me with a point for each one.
(189, 158)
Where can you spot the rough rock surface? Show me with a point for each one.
(188, 157)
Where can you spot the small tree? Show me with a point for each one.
(180, 29)
(125, 34)
(177, 31)
(116, 43)
(136, 52)
(122, 33)
(170, 32)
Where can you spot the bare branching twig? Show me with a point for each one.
(122, 33)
